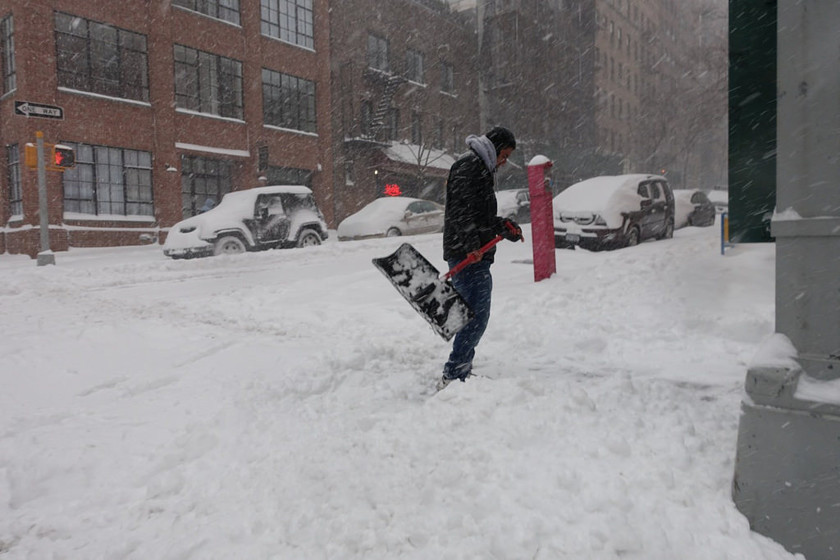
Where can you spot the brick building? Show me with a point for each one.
(405, 95)
(168, 103)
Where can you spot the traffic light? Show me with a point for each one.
(58, 157)
(63, 157)
(30, 155)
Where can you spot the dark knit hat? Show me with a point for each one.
(501, 138)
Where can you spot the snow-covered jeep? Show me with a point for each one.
(250, 220)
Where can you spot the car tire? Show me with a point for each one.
(308, 238)
(393, 232)
(669, 231)
(632, 238)
(228, 245)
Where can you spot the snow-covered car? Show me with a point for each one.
(514, 204)
(250, 220)
(392, 216)
(720, 198)
(692, 208)
(613, 211)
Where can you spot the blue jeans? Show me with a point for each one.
(475, 284)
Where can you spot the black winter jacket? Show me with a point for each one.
(470, 219)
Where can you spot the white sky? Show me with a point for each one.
(276, 405)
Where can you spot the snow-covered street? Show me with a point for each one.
(278, 405)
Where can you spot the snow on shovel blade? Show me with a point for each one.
(420, 284)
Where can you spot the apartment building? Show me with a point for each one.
(169, 105)
(537, 79)
(405, 95)
(596, 85)
(642, 55)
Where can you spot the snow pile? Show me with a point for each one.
(278, 405)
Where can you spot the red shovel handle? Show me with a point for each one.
(471, 258)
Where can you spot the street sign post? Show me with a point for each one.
(46, 256)
(29, 109)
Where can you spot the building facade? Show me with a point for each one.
(642, 52)
(606, 86)
(537, 79)
(169, 104)
(405, 96)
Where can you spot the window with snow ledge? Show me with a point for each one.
(207, 83)
(225, 10)
(100, 58)
(414, 66)
(288, 101)
(15, 193)
(108, 181)
(7, 55)
(291, 21)
(447, 78)
(377, 53)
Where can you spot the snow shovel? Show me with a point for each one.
(429, 293)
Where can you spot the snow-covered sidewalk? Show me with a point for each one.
(276, 405)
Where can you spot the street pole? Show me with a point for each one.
(46, 256)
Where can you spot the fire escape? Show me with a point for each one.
(389, 83)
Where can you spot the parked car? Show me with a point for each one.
(693, 208)
(514, 204)
(250, 220)
(392, 216)
(720, 198)
(613, 211)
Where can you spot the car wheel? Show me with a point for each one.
(669, 231)
(393, 232)
(228, 245)
(308, 238)
(632, 238)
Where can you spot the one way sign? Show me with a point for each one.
(29, 109)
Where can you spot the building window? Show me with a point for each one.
(203, 180)
(349, 173)
(15, 194)
(377, 53)
(447, 78)
(289, 21)
(366, 123)
(101, 58)
(289, 176)
(414, 66)
(416, 129)
(109, 181)
(288, 101)
(393, 123)
(226, 10)
(7, 55)
(208, 83)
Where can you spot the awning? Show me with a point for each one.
(420, 156)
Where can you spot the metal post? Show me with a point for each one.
(46, 256)
(542, 220)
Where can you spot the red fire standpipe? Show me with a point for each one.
(542, 221)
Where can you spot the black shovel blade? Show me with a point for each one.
(420, 284)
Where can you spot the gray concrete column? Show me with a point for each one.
(788, 456)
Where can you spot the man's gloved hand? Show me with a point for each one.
(511, 230)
